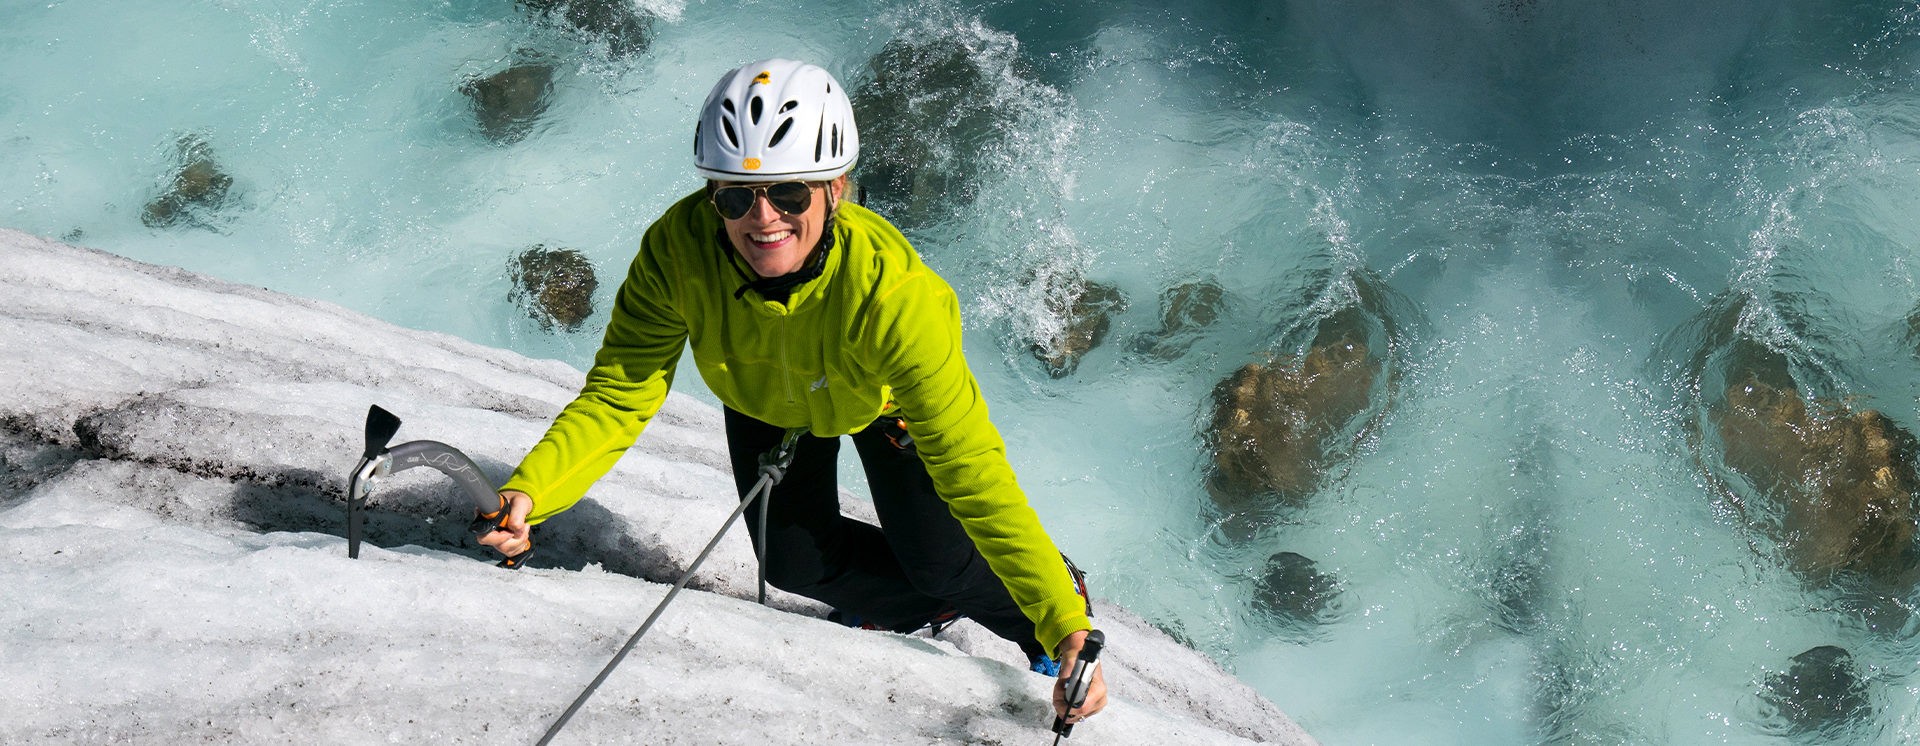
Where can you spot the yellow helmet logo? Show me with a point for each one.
(751, 164)
(765, 77)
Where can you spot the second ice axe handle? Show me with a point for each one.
(1081, 679)
(449, 461)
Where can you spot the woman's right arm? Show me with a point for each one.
(628, 382)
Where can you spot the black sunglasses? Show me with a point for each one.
(789, 197)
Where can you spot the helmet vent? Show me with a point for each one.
(727, 103)
(788, 106)
(753, 110)
(819, 140)
(836, 140)
(781, 133)
(727, 126)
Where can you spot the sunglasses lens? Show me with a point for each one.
(790, 197)
(733, 202)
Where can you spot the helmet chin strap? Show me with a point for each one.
(780, 287)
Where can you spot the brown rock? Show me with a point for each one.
(197, 187)
(1841, 482)
(1184, 309)
(1277, 425)
(1820, 689)
(554, 286)
(1292, 590)
(1088, 308)
(507, 104)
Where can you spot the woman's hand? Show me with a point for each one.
(1096, 687)
(513, 537)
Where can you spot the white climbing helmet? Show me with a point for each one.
(775, 120)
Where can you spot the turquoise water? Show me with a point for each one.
(1528, 548)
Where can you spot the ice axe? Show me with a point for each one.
(378, 460)
(1080, 681)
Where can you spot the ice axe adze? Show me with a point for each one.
(490, 510)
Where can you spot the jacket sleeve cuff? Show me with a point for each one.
(1050, 635)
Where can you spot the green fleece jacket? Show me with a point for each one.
(878, 332)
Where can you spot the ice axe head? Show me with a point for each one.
(381, 427)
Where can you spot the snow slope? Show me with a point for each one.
(173, 455)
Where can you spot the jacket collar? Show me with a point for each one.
(801, 286)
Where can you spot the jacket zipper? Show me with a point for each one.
(786, 365)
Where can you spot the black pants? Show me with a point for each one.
(916, 564)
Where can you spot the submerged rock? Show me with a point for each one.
(1819, 689)
(554, 286)
(1913, 331)
(620, 24)
(1184, 310)
(1087, 310)
(1841, 482)
(197, 187)
(1277, 425)
(507, 104)
(1293, 590)
(931, 106)
(1515, 581)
